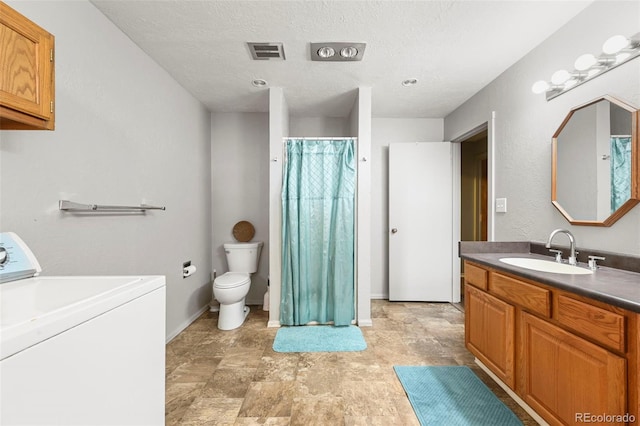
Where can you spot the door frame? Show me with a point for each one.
(456, 150)
(478, 227)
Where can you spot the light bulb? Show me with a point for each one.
(584, 62)
(539, 87)
(348, 52)
(570, 83)
(326, 52)
(615, 44)
(560, 76)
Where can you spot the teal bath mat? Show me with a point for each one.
(319, 338)
(453, 396)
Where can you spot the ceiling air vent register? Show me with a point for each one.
(266, 51)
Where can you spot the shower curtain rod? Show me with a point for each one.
(322, 138)
(285, 139)
(620, 136)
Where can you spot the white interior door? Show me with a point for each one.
(420, 222)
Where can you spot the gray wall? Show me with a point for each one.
(240, 187)
(525, 123)
(125, 133)
(319, 126)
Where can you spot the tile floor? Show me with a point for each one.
(234, 377)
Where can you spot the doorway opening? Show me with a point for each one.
(474, 192)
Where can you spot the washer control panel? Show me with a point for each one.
(16, 259)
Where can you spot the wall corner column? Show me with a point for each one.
(278, 129)
(363, 232)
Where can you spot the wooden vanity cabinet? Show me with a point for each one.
(561, 353)
(26, 73)
(565, 375)
(491, 332)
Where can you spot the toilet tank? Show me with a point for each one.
(243, 257)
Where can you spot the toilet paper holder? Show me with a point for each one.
(188, 269)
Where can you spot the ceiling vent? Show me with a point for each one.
(266, 51)
(339, 52)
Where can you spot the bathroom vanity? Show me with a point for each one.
(567, 345)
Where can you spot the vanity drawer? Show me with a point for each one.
(602, 326)
(475, 275)
(530, 297)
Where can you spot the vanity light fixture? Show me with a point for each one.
(345, 51)
(616, 51)
(258, 82)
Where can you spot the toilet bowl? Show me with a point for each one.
(231, 288)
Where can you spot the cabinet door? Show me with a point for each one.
(489, 332)
(26, 77)
(567, 378)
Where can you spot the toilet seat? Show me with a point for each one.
(231, 280)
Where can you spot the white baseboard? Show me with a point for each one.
(379, 296)
(365, 323)
(274, 323)
(512, 394)
(186, 323)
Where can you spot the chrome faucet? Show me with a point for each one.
(572, 241)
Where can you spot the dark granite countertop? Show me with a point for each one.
(616, 287)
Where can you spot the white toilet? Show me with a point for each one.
(231, 288)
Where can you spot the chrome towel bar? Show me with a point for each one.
(70, 206)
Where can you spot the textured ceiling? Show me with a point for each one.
(454, 49)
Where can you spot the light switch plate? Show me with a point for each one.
(501, 205)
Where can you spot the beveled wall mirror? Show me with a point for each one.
(594, 175)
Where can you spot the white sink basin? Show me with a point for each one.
(545, 265)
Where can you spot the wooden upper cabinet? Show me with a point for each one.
(26, 73)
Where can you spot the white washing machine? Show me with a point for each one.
(78, 350)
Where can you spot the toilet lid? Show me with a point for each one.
(231, 279)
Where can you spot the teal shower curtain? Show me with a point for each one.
(620, 171)
(318, 214)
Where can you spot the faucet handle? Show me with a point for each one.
(558, 255)
(593, 265)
